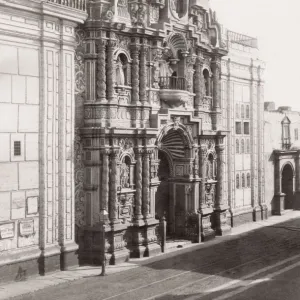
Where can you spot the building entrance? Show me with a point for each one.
(287, 186)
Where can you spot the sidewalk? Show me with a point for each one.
(14, 289)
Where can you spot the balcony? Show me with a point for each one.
(173, 91)
(76, 4)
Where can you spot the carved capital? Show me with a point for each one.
(105, 151)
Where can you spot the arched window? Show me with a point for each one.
(207, 82)
(237, 146)
(248, 146)
(243, 180)
(242, 146)
(242, 112)
(237, 181)
(237, 111)
(247, 112)
(248, 180)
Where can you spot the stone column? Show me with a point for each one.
(143, 75)
(216, 93)
(104, 185)
(197, 83)
(221, 208)
(297, 183)
(135, 82)
(110, 72)
(278, 207)
(146, 182)
(101, 71)
(203, 151)
(113, 196)
(138, 185)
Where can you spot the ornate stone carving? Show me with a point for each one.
(126, 145)
(138, 14)
(124, 175)
(135, 73)
(154, 14)
(79, 62)
(101, 70)
(79, 181)
(138, 194)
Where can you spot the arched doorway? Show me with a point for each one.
(287, 186)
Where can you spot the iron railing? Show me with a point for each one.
(77, 4)
(173, 83)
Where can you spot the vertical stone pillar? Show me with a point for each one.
(146, 182)
(143, 75)
(278, 206)
(101, 71)
(297, 183)
(216, 67)
(197, 84)
(220, 210)
(113, 196)
(138, 185)
(110, 72)
(203, 151)
(135, 82)
(104, 185)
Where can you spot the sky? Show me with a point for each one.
(276, 24)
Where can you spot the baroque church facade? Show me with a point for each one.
(127, 113)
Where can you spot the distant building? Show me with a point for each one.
(282, 158)
(242, 111)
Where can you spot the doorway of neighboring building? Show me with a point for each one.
(287, 186)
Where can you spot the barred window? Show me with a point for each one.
(237, 181)
(243, 180)
(248, 180)
(242, 146)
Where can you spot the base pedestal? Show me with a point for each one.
(278, 204)
(206, 226)
(220, 220)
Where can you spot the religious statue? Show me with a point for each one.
(124, 175)
(120, 77)
(164, 69)
(209, 195)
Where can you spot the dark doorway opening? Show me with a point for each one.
(287, 186)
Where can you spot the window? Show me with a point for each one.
(296, 134)
(17, 148)
(246, 128)
(286, 138)
(237, 111)
(237, 144)
(242, 146)
(243, 180)
(242, 112)
(247, 112)
(238, 127)
(248, 146)
(248, 180)
(237, 181)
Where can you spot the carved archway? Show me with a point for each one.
(287, 184)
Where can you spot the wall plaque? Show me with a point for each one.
(7, 230)
(26, 228)
(32, 205)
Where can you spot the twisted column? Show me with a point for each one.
(203, 151)
(197, 83)
(220, 176)
(138, 186)
(135, 74)
(110, 76)
(113, 199)
(104, 185)
(146, 182)
(101, 71)
(143, 75)
(216, 84)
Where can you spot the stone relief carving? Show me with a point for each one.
(138, 15)
(154, 14)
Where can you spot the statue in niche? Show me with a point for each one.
(120, 77)
(124, 175)
(164, 69)
(209, 195)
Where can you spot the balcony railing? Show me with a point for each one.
(173, 83)
(77, 4)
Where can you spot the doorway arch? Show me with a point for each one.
(287, 185)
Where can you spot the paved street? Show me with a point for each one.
(260, 264)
